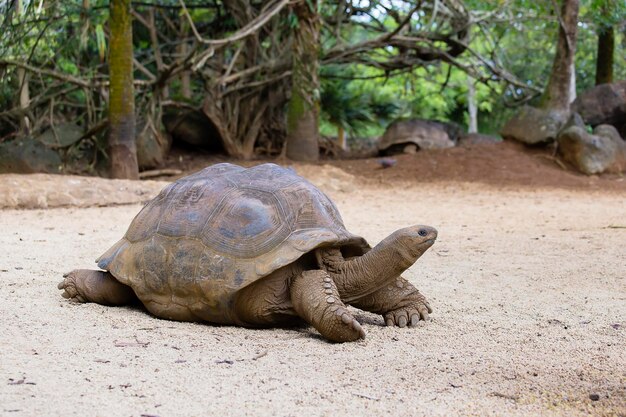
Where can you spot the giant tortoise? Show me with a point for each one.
(257, 247)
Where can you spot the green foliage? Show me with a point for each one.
(604, 12)
(353, 105)
(519, 35)
(101, 42)
(366, 106)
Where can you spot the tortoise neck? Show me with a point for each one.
(363, 275)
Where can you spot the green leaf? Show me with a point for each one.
(67, 66)
(101, 41)
(292, 21)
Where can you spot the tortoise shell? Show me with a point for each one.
(207, 235)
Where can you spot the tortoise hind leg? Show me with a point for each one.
(316, 299)
(86, 285)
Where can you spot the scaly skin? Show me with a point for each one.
(372, 282)
(267, 302)
(400, 303)
(315, 298)
(362, 275)
(86, 285)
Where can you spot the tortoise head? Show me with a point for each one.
(413, 241)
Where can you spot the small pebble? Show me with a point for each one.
(594, 397)
(387, 162)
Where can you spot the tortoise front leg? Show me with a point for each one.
(399, 302)
(315, 298)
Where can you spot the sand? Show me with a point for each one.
(528, 289)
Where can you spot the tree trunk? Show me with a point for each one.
(341, 137)
(558, 93)
(604, 60)
(22, 79)
(185, 78)
(471, 106)
(158, 58)
(303, 108)
(122, 148)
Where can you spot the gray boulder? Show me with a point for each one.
(61, 136)
(27, 156)
(153, 146)
(603, 104)
(574, 120)
(532, 125)
(602, 151)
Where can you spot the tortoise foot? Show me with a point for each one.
(409, 314)
(316, 299)
(86, 285)
(69, 287)
(344, 319)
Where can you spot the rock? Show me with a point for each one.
(387, 162)
(603, 104)
(574, 120)
(594, 397)
(478, 139)
(61, 136)
(602, 151)
(610, 132)
(28, 155)
(152, 147)
(426, 134)
(532, 126)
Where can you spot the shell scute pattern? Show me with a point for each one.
(188, 209)
(305, 205)
(247, 223)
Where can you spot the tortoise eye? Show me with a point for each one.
(422, 232)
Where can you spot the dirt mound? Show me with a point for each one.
(328, 177)
(47, 190)
(35, 191)
(505, 165)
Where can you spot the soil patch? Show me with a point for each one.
(504, 165)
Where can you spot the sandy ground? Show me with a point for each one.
(528, 288)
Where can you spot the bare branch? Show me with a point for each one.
(64, 77)
(242, 33)
(51, 73)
